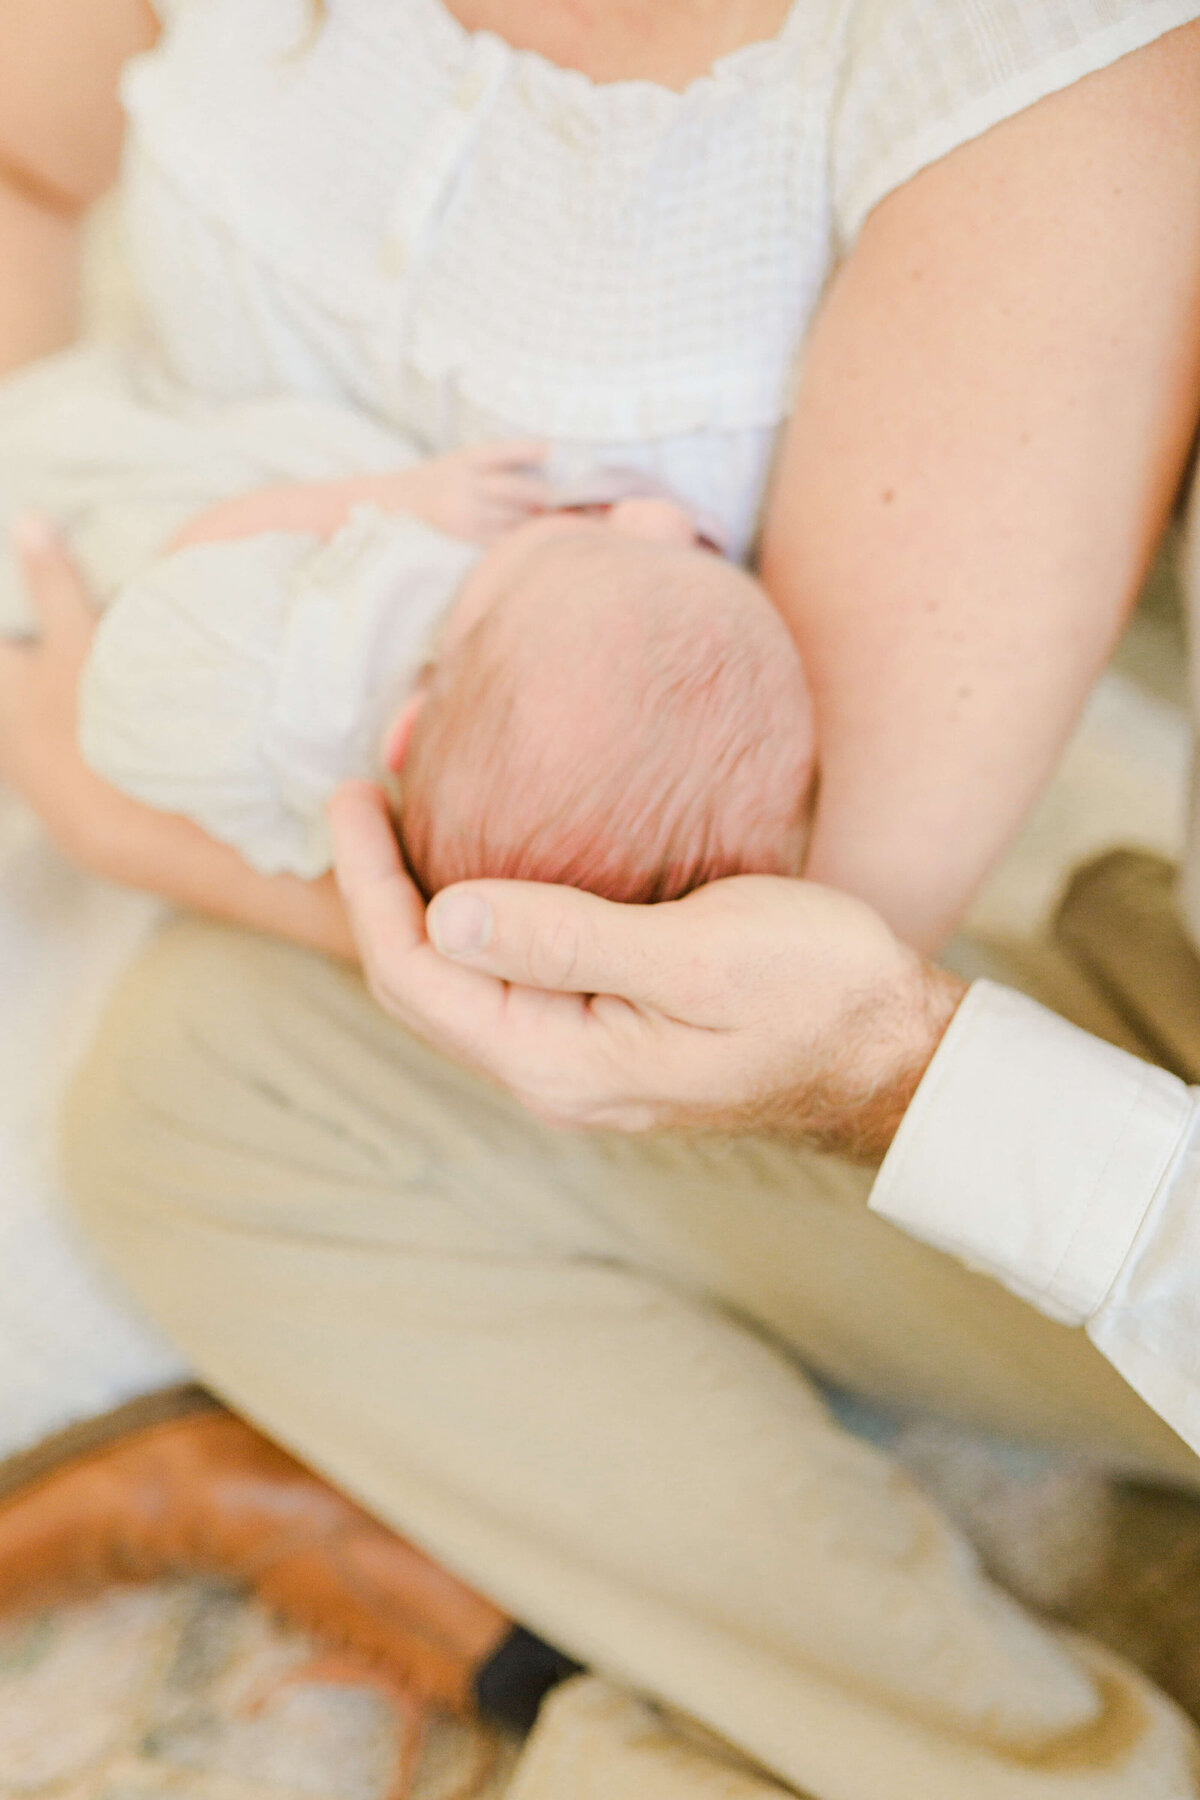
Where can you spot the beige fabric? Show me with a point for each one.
(1119, 922)
(562, 1363)
(1065, 1167)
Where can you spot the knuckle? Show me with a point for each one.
(556, 954)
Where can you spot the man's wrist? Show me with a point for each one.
(888, 1044)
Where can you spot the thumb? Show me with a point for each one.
(385, 908)
(57, 589)
(540, 936)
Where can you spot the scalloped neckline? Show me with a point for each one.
(723, 67)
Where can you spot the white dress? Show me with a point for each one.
(466, 240)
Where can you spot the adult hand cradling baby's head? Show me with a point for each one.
(753, 1003)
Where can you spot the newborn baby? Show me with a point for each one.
(611, 706)
(577, 695)
(593, 699)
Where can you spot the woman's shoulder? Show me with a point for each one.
(917, 78)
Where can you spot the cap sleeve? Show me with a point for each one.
(920, 77)
(177, 688)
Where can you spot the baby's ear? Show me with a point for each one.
(398, 735)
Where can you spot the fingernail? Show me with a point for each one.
(33, 535)
(459, 924)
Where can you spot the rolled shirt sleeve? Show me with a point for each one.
(1069, 1171)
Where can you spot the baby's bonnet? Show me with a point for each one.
(239, 684)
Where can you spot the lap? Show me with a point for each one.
(250, 1102)
(562, 1364)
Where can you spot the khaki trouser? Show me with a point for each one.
(566, 1364)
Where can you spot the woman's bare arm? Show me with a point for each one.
(994, 413)
(121, 840)
(102, 829)
(60, 136)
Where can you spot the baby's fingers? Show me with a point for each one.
(509, 453)
(491, 520)
(521, 493)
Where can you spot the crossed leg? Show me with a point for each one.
(563, 1365)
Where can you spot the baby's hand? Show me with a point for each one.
(478, 493)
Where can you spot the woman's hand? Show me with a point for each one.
(753, 1004)
(39, 683)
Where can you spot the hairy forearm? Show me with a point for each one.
(857, 1100)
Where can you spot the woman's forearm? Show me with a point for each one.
(101, 828)
(995, 410)
(161, 853)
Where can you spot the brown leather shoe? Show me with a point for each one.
(179, 1486)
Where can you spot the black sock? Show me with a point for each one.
(512, 1684)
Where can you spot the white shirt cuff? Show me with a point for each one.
(1032, 1151)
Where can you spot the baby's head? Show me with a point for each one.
(613, 707)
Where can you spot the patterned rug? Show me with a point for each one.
(186, 1691)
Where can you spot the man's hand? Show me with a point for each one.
(755, 1004)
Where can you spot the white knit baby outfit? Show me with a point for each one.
(242, 689)
(237, 683)
(465, 240)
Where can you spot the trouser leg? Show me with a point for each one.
(442, 1306)
(630, 1751)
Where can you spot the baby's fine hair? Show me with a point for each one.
(637, 744)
